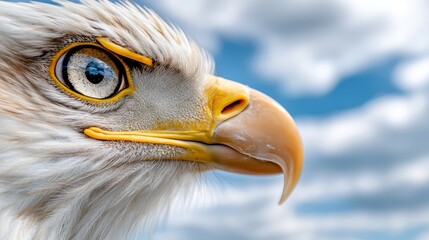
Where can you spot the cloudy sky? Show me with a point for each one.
(355, 75)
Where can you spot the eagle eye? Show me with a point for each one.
(90, 72)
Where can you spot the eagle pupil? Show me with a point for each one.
(94, 72)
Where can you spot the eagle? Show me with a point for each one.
(107, 114)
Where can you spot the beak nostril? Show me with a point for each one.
(234, 107)
(227, 99)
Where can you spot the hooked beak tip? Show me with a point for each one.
(266, 132)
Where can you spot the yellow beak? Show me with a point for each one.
(248, 133)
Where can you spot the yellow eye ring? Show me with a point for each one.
(52, 72)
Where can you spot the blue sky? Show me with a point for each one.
(355, 75)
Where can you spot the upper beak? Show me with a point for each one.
(250, 133)
(265, 132)
(262, 137)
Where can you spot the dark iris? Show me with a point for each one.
(94, 72)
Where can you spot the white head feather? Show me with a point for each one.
(54, 182)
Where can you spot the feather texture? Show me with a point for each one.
(54, 182)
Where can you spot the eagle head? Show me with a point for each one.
(107, 113)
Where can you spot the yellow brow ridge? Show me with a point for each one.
(124, 52)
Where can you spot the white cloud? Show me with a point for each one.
(309, 46)
(240, 215)
(414, 74)
(386, 119)
(423, 236)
